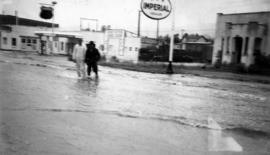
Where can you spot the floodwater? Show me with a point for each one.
(241, 108)
(178, 98)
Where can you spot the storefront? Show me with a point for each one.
(57, 42)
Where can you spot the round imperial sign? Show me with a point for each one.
(156, 9)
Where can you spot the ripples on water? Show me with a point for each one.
(186, 100)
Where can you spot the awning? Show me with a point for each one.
(59, 34)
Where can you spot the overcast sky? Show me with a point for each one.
(196, 16)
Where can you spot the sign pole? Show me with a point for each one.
(157, 29)
(170, 67)
(158, 10)
(139, 23)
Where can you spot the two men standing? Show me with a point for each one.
(89, 55)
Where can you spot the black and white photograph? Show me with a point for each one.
(134, 77)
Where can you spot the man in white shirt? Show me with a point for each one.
(79, 56)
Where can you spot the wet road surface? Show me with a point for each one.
(45, 109)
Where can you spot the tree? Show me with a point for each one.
(108, 27)
(166, 39)
(105, 27)
(176, 38)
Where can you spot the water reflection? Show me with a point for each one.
(88, 86)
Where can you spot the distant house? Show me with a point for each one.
(148, 42)
(194, 42)
(197, 45)
(240, 37)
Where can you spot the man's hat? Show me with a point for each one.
(91, 43)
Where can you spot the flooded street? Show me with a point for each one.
(45, 109)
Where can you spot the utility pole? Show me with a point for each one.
(139, 23)
(53, 4)
(16, 18)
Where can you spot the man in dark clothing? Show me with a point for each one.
(92, 56)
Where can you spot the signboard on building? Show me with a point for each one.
(156, 9)
(115, 33)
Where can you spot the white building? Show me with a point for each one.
(239, 37)
(124, 45)
(31, 35)
(19, 33)
(19, 38)
(57, 42)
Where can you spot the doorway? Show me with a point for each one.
(238, 44)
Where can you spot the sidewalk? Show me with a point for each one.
(195, 71)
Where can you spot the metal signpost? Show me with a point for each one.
(158, 10)
(88, 19)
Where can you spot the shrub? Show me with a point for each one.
(262, 61)
(103, 58)
(261, 65)
(114, 59)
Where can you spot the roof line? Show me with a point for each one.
(244, 13)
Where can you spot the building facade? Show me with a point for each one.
(21, 38)
(31, 35)
(96, 36)
(19, 33)
(240, 37)
(122, 45)
(57, 42)
(195, 43)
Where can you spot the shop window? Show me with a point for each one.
(246, 46)
(28, 42)
(5, 40)
(34, 41)
(14, 42)
(23, 40)
(229, 25)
